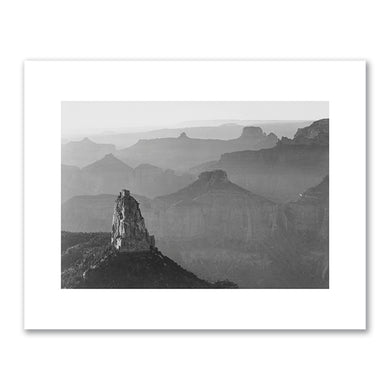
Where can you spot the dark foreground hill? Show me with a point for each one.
(89, 264)
(127, 258)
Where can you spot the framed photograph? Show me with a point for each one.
(195, 195)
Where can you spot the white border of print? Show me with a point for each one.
(48, 83)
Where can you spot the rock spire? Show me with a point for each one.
(129, 233)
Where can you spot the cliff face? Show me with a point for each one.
(129, 233)
(303, 242)
(213, 210)
(309, 215)
(215, 229)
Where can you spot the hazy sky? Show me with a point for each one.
(90, 116)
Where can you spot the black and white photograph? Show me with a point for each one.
(190, 201)
(195, 195)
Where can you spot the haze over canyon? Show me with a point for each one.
(251, 211)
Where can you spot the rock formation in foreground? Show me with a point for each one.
(93, 213)
(129, 233)
(131, 260)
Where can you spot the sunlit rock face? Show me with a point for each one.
(129, 233)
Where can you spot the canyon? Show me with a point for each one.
(283, 172)
(220, 231)
(257, 217)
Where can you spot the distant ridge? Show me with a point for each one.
(283, 172)
(219, 129)
(183, 152)
(110, 174)
(208, 181)
(84, 152)
(108, 163)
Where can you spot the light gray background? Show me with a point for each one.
(94, 117)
